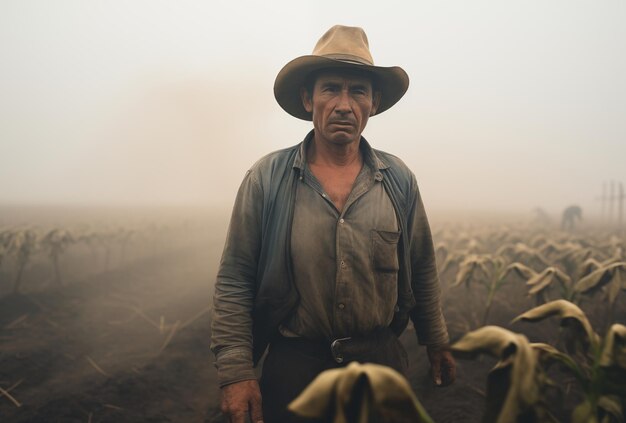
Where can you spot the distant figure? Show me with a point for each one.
(570, 215)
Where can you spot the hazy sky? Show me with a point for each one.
(512, 104)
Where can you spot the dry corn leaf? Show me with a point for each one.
(583, 413)
(360, 392)
(614, 349)
(612, 406)
(601, 276)
(566, 311)
(546, 278)
(472, 268)
(521, 269)
(512, 385)
(589, 266)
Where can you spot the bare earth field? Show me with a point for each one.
(131, 344)
(95, 351)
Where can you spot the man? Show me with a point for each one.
(329, 251)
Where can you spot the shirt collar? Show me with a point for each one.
(369, 155)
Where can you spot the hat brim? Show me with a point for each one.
(393, 82)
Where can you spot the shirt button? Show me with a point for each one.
(341, 306)
(341, 220)
(343, 263)
(324, 195)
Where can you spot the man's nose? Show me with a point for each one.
(343, 102)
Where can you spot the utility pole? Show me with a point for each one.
(620, 206)
(603, 199)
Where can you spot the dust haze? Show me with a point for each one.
(511, 107)
(130, 125)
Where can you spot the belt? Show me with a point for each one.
(341, 349)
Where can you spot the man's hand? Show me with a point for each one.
(241, 399)
(442, 365)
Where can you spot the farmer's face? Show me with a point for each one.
(341, 103)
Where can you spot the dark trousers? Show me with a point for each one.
(291, 365)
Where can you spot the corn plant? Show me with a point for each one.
(55, 242)
(5, 242)
(517, 384)
(522, 253)
(359, 393)
(598, 364)
(612, 277)
(22, 245)
(565, 276)
(491, 272)
(551, 276)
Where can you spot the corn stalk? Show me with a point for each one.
(516, 384)
(598, 364)
(491, 272)
(612, 276)
(22, 245)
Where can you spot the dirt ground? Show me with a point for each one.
(132, 345)
(96, 351)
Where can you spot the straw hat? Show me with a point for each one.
(340, 47)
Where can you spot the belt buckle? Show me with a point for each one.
(337, 356)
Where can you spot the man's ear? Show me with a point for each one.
(307, 102)
(375, 102)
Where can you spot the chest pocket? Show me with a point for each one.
(384, 250)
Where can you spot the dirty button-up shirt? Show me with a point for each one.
(345, 262)
(238, 288)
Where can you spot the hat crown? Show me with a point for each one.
(346, 43)
(341, 47)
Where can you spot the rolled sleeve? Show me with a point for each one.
(234, 365)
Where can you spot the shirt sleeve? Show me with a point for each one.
(233, 300)
(427, 315)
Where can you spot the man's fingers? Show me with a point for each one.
(238, 417)
(449, 372)
(447, 368)
(442, 365)
(256, 410)
(435, 368)
(242, 400)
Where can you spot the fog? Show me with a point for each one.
(512, 105)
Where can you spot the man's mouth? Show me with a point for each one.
(342, 123)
